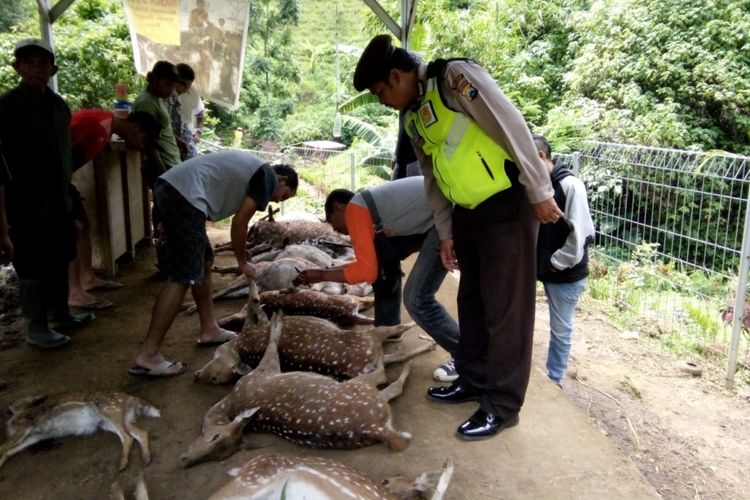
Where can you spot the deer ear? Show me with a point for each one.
(426, 481)
(245, 416)
(241, 369)
(26, 403)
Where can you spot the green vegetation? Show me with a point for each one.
(646, 294)
(668, 73)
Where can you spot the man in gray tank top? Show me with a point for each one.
(210, 187)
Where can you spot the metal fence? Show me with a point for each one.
(670, 226)
(673, 222)
(322, 170)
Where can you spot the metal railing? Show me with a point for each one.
(674, 217)
(681, 215)
(322, 170)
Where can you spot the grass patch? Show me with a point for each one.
(662, 303)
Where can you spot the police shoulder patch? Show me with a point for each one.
(463, 87)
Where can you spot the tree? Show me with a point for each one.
(93, 51)
(663, 72)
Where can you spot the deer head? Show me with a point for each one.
(431, 484)
(221, 369)
(217, 441)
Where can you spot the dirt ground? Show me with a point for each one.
(686, 435)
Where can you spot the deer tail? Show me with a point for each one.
(397, 441)
(147, 410)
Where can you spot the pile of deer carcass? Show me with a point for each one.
(300, 376)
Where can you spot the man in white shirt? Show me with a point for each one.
(192, 106)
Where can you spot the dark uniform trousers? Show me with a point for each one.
(495, 244)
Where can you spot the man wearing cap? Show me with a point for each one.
(485, 183)
(35, 204)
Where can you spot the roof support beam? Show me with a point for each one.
(47, 16)
(409, 25)
(58, 10)
(385, 17)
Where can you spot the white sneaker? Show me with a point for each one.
(446, 372)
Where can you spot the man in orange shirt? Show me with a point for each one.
(394, 223)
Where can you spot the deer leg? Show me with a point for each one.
(16, 444)
(141, 436)
(141, 493)
(403, 356)
(115, 423)
(383, 332)
(364, 303)
(116, 492)
(254, 314)
(375, 377)
(397, 387)
(270, 361)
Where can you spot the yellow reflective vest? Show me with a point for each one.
(468, 165)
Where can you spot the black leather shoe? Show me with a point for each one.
(72, 322)
(483, 425)
(455, 393)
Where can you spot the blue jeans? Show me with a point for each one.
(419, 293)
(562, 299)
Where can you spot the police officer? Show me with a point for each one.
(485, 185)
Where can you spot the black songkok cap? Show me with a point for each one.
(373, 64)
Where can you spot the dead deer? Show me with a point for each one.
(308, 409)
(308, 344)
(283, 476)
(38, 418)
(278, 234)
(140, 491)
(307, 252)
(276, 275)
(341, 309)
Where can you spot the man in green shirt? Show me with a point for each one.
(165, 153)
(161, 84)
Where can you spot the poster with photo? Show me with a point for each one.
(208, 35)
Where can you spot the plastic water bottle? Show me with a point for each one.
(122, 106)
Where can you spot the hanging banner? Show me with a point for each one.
(208, 35)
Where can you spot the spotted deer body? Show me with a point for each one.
(308, 409)
(38, 418)
(308, 344)
(275, 275)
(278, 234)
(284, 476)
(341, 309)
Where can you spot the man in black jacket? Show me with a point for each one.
(562, 258)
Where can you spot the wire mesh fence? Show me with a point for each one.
(323, 170)
(670, 227)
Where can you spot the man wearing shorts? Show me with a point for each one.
(210, 187)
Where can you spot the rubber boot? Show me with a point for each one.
(59, 313)
(34, 307)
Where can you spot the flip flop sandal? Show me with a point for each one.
(223, 337)
(158, 371)
(94, 305)
(106, 285)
